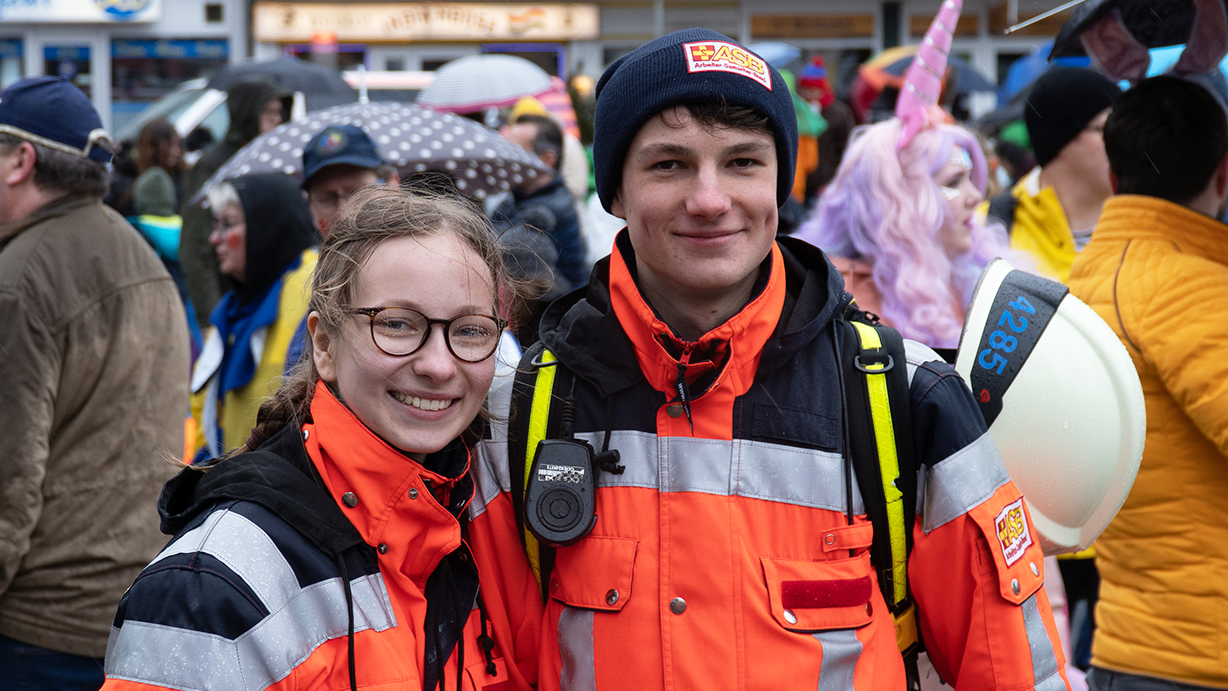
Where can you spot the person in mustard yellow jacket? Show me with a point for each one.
(262, 234)
(1157, 271)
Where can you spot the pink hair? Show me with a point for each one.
(884, 208)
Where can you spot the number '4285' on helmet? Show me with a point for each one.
(1061, 398)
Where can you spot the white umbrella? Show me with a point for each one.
(478, 82)
(414, 139)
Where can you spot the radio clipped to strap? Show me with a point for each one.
(880, 436)
(535, 389)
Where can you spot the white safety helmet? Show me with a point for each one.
(1061, 398)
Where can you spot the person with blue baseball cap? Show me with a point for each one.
(337, 162)
(94, 357)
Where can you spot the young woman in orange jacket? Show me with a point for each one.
(327, 553)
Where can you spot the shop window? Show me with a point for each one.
(70, 62)
(11, 64)
(144, 70)
(213, 14)
(394, 64)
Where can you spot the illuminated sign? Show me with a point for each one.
(283, 22)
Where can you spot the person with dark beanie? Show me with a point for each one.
(1050, 213)
(727, 547)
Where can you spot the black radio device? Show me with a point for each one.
(560, 500)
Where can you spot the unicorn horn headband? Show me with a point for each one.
(923, 80)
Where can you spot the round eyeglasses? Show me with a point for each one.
(400, 331)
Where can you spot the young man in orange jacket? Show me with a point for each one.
(731, 550)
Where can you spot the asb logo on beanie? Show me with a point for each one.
(708, 56)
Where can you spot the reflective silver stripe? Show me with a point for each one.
(576, 650)
(961, 481)
(758, 470)
(841, 650)
(1044, 659)
(917, 354)
(490, 469)
(490, 475)
(243, 547)
(182, 659)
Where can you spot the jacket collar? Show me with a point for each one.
(350, 458)
(1129, 216)
(52, 209)
(731, 348)
(584, 332)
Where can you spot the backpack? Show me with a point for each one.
(878, 446)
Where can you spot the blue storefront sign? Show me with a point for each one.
(10, 48)
(66, 53)
(209, 49)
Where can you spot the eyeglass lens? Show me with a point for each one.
(400, 331)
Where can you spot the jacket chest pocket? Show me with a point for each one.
(813, 596)
(595, 573)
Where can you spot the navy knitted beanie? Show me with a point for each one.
(1061, 104)
(689, 66)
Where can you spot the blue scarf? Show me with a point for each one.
(236, 323)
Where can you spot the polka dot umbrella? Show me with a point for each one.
(478, 160)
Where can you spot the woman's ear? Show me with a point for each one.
(321, 348)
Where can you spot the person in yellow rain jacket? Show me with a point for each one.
(1051, 211)
(1156, 271)
(263, 235)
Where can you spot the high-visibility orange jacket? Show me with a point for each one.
(1157, 273)
(723, 557)
(322, 557)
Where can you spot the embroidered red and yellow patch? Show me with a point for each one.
(721, 56)
(1013, 533)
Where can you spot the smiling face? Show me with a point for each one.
(420, 402)
(955, 184)
(700, 206)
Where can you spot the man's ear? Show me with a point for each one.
(322, 346)
(19, 165)
(550, 158)
(616, 205)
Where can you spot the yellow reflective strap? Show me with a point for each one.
(888, 462)
(539, 415)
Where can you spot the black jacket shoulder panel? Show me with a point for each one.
(278, 476)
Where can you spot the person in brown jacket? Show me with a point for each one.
(94, 363)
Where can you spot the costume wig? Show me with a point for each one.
(884, 208)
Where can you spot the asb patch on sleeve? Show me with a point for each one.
(721, 56)
(1013, 532)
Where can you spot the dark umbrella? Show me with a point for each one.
(478, 160)
(967, 77)
(321, 87)
(1153, 23)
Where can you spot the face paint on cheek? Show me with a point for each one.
(234, 241)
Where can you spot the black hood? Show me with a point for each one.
(279, 228)
(278, 476)
(245, 100)
(583, 331)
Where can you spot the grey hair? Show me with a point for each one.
(221, 196)
(62, 172)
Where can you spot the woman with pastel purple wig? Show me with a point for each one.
(902, 227)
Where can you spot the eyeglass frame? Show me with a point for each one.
(370, 312)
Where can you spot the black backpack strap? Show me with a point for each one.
(880, 437)
(540, 382)
(1002, 209)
